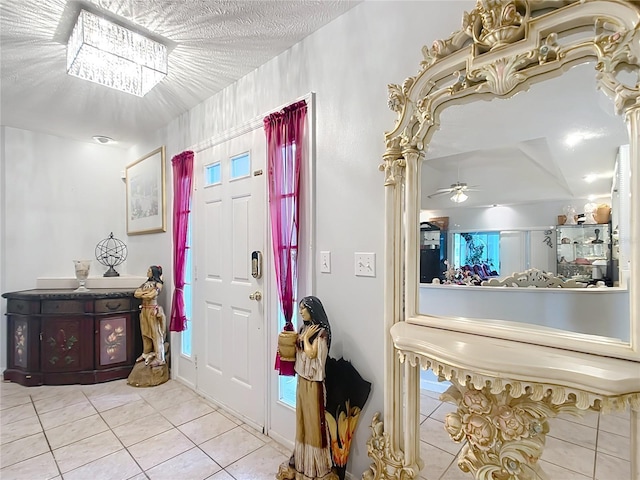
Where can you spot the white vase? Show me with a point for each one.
(82, 272)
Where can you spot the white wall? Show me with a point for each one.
(349, 64)
(592, 311)
(61, 198)
(504, 217)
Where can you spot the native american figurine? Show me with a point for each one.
(324, 406)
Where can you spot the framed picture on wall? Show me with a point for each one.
(146, 209)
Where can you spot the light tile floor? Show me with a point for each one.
(113, 431)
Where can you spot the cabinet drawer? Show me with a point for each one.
(62, 306)
(22, 307)
(109, 305)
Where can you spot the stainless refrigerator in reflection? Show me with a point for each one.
(433, 252)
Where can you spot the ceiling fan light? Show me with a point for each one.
(459, 197)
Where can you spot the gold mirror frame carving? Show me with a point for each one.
(503, 47)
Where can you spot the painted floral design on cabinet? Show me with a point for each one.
(20, 344)
(61, 349)
(113, 340)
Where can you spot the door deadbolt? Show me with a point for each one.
(257, 295)
(256, 264)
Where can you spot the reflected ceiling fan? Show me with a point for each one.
(458, 191)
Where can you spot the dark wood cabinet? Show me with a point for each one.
(58, 337)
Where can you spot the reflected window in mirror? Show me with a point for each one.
(479, 251)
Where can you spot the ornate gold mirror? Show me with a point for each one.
(522, 105)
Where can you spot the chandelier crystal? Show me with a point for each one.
(109, 54)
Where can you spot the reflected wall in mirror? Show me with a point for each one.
(525, 141)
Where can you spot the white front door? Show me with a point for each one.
(229, 326)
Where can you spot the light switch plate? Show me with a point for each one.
(325, 262)
(365, 264)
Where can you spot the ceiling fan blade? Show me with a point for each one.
(465, 188)
(439, 192)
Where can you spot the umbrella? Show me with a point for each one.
(347, 392)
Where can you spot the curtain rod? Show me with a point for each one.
(244, 128)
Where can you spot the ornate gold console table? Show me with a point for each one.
(506, 392)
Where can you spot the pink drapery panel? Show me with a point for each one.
(285, 146)
(182, 180)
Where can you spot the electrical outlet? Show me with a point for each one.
(325, 262)
(365, 264)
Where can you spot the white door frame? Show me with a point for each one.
(279, 417)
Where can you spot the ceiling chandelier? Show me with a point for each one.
(459, 196)
(107, 53)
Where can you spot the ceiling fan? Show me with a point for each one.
(458, 190)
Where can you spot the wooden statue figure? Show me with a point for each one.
(153, 327)
(329, 398)
(311, 457)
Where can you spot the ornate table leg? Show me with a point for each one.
(635, 442)
(505, 434)
(387, 464)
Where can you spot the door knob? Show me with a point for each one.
(257, 295)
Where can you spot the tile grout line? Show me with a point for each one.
(595, 460)
(44, 434)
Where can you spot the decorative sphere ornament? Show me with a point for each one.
(111, 252)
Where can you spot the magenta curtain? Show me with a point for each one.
(182, 165)
(285, 146)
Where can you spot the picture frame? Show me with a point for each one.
(146, 197)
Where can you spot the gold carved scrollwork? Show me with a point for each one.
(502, 76)
(397, 99)
(398, 94)
(387, 464)
(443, 48)
(393, 163)
(491, 24)
(460, 83)
(505, 435)
(548, 51)
(499, 22)
(617, 48)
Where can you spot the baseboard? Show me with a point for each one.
(285, 442)
(430, 381)
(434, 386)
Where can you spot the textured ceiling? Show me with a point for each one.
(213, 43)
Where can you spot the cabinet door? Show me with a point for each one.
(67, 344)
(23, 342)
(114, 344)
